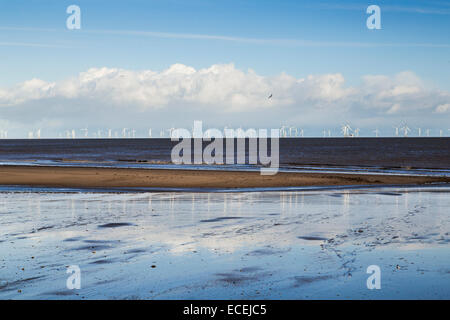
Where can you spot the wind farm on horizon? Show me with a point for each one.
(285, 131)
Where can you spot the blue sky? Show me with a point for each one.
(299, 38)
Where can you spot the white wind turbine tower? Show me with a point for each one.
(419, 130)
(302, 133)
(161, 133)
(124, 132)
(346, 130)
(86, 132)
(133, 133)
(291, 132)
(38, 134)
(377, 132)
(240, 132)
(397, 128)
(150, 133)
(283, 131)
(428, 132)
(30, 135)
(356, 131)
(170, 130)
(73, 134)
(324, 132)
(441, 133)
(405, 130)
(109, 133)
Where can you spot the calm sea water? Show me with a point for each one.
(370, 152)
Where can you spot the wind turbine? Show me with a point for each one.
(240, 132)
(302, 133)
(405, 130)
(396, 130)
(86, 132)
(428, 132)
(324, 132)
(346, 129)
(38, 133)
(377, 132)
(73, 134)
(170, 130)
(419, 130)
(291, 130)
(283, 131)
(124, 132)
(356, 131)
(150, 133)
(30, 135)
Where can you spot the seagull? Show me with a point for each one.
(270, 96)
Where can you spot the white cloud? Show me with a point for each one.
(443, 108)
(222, 90)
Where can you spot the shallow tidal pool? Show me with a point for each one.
(313, 244)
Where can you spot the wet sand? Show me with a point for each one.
(254, 245)
(88, 177)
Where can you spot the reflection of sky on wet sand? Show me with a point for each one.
(314, 244)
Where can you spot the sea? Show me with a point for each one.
(383, 155)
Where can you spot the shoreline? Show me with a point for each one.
(98, 177)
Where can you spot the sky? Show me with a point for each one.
(165, 63)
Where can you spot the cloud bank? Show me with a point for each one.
(220, 94)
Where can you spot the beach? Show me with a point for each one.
(140, 227)
(92, 177)
(241, 245)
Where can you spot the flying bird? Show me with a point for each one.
(270, 96)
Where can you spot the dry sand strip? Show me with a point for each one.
(79, 177)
